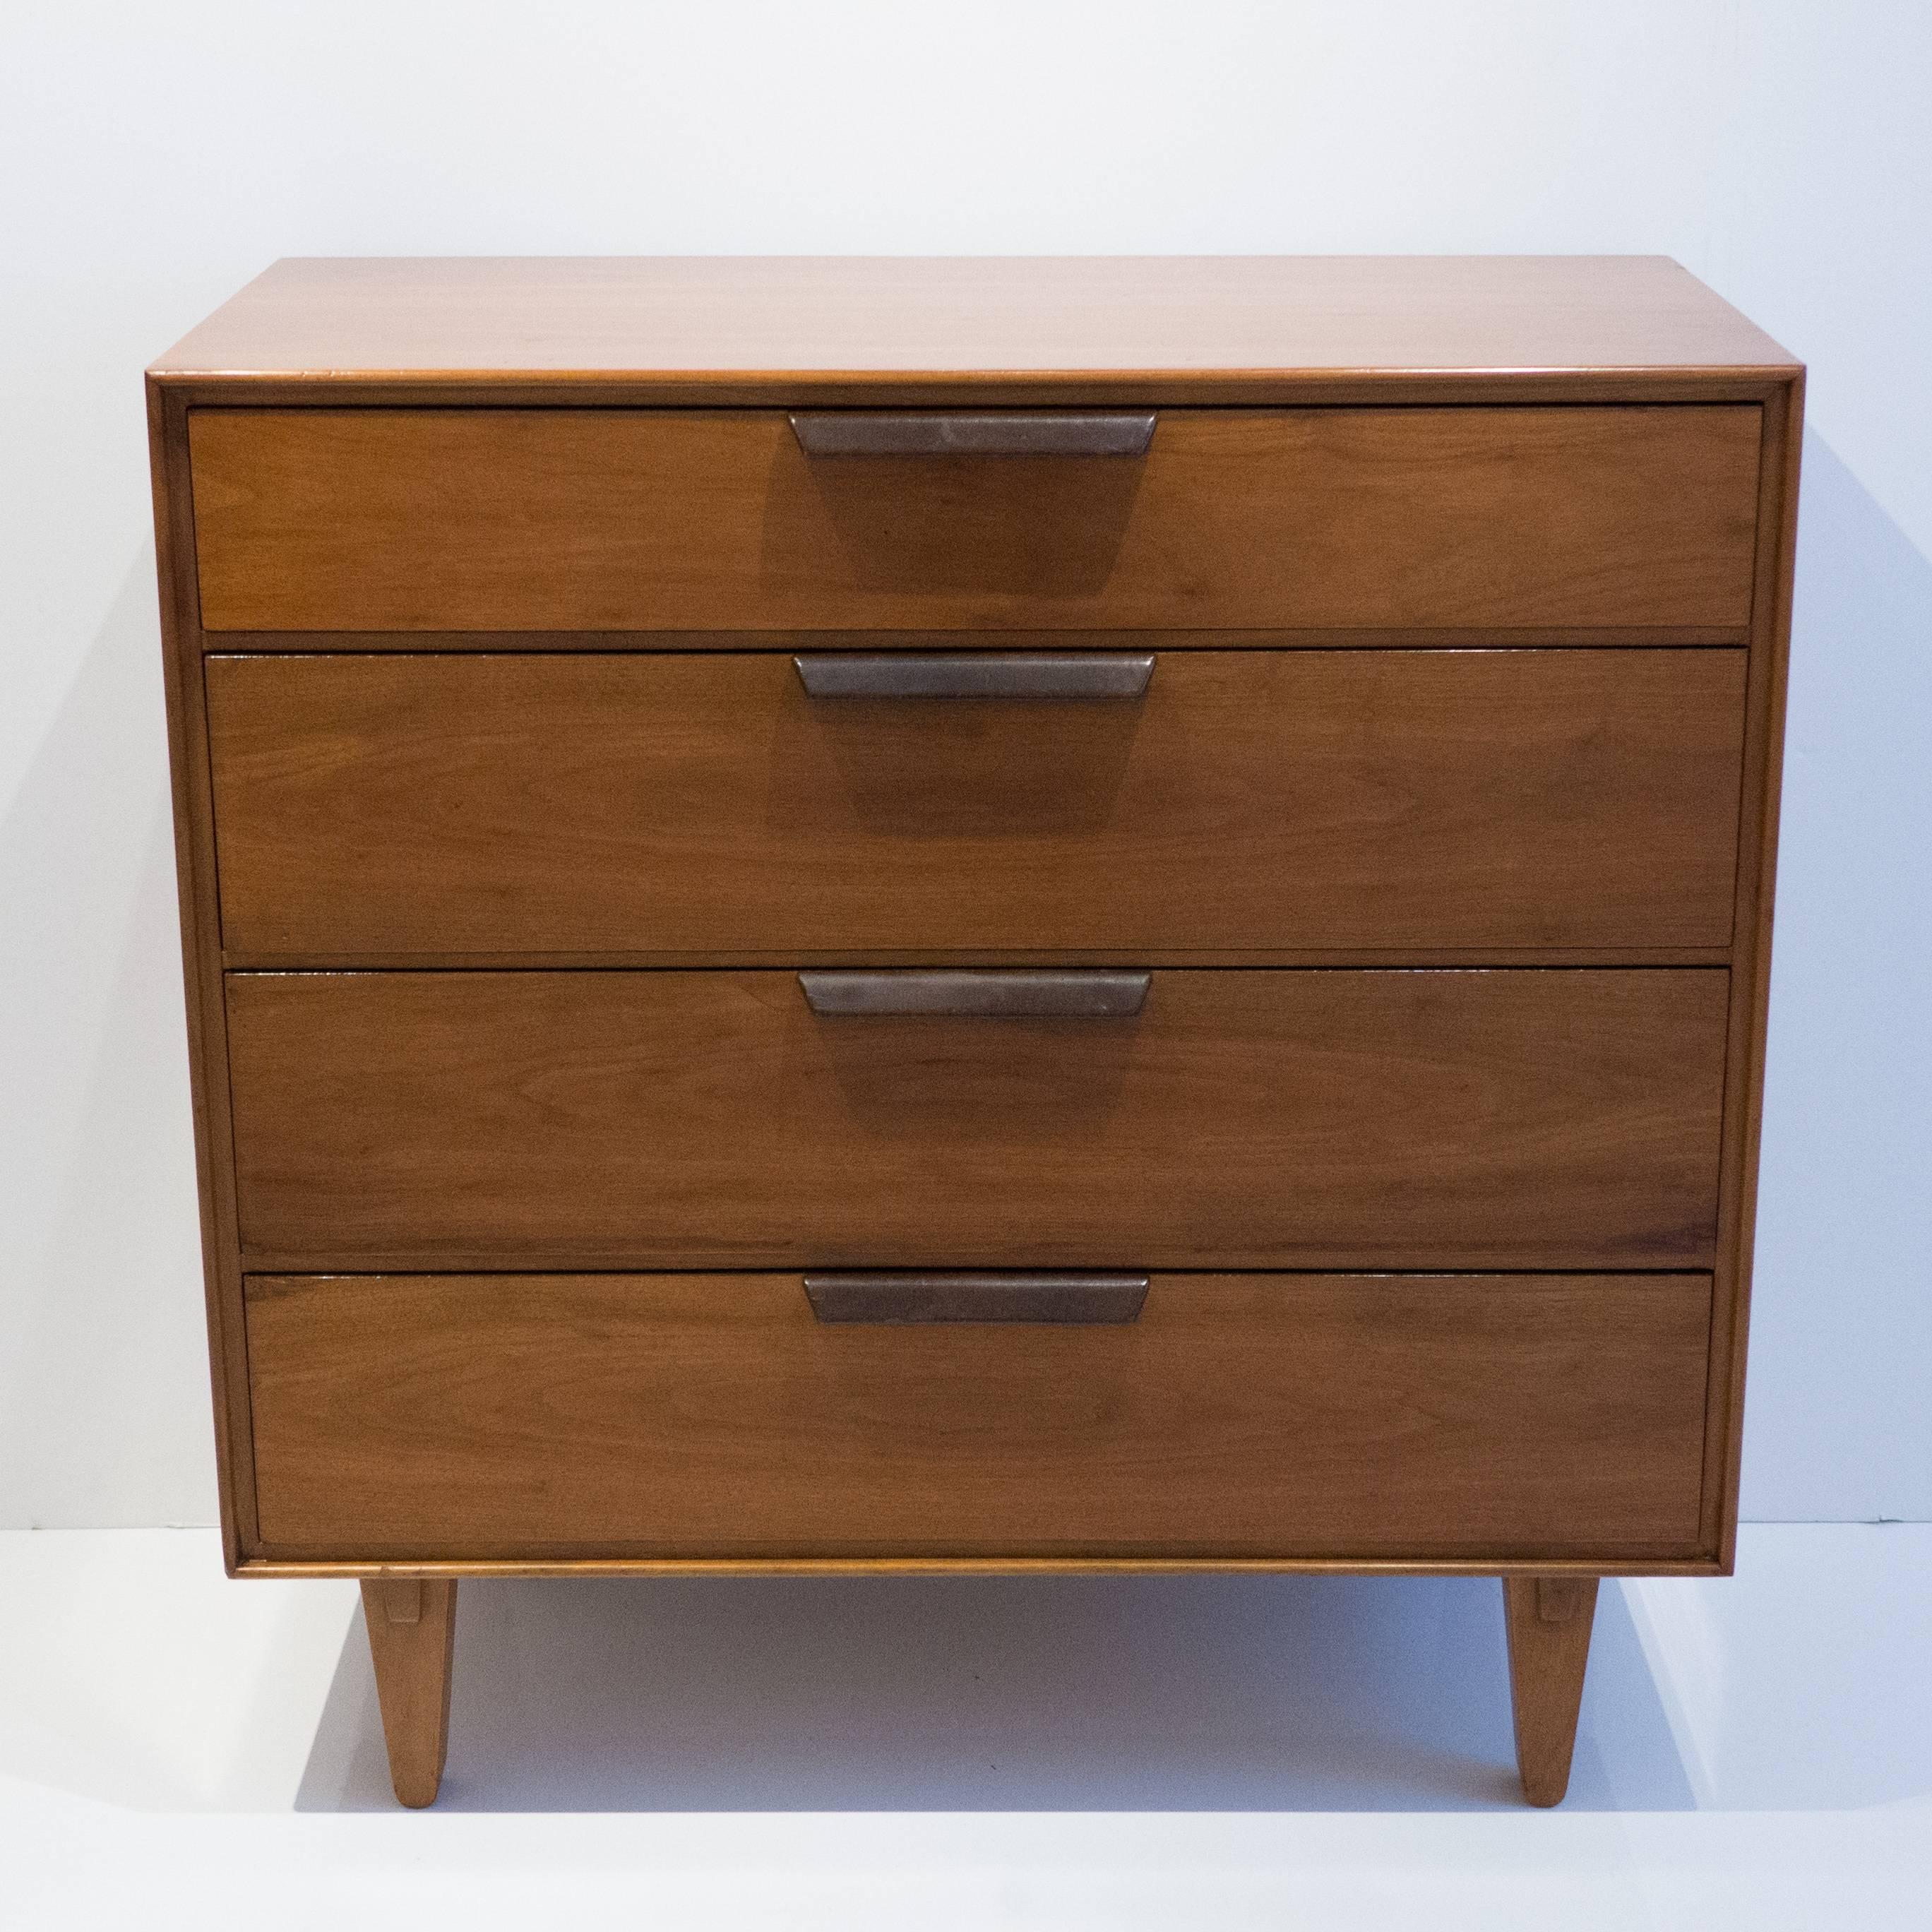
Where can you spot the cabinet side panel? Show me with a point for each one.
(1751, 976)
(181, 650)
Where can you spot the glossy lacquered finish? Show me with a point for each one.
(763, 843)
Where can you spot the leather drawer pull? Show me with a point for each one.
(881, 1295)
(986, 995)
(975, 673)
(977, 433)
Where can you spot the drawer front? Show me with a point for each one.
(495, 520)
(1249, 799)
(1431, 1416)
(1522, 1119)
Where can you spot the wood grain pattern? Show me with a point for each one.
(1488, 1564)
(1751, 986)
(705, 804)
(716, 335)
(412, 1627)
(1244, 1119)
(723, 319)
(1434, 637)
(496, 1416)
(539, 461)
(375, 520)
(1141, 958)
(1548, 1619)
(196, 881)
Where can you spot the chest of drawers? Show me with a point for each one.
(978, 915)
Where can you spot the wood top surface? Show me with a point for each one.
(744, 317)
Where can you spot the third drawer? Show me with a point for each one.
(1249, 800)
(1241, 1118)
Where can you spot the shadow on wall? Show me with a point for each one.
(1220, 1693)
(103, 1403)
(1840, 1408)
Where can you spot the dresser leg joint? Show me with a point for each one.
(1548, 1620)
(412, 1625)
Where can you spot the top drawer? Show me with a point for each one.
(1336, 519)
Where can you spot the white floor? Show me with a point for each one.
(178, 1750)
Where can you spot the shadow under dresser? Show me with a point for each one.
(890, 915)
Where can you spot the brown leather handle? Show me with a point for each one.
(975, 673)
(982, 995)
(973, 433)
(897, 1296)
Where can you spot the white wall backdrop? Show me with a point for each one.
(153, 158)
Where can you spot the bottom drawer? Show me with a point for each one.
(534, 1417)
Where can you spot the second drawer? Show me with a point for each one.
(1249, 800)
(1240, 1119)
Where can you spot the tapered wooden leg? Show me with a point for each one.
(411, 1635)
(1548, 1618)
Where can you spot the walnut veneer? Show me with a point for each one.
(958, 915)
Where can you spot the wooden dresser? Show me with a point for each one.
(977, 915)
